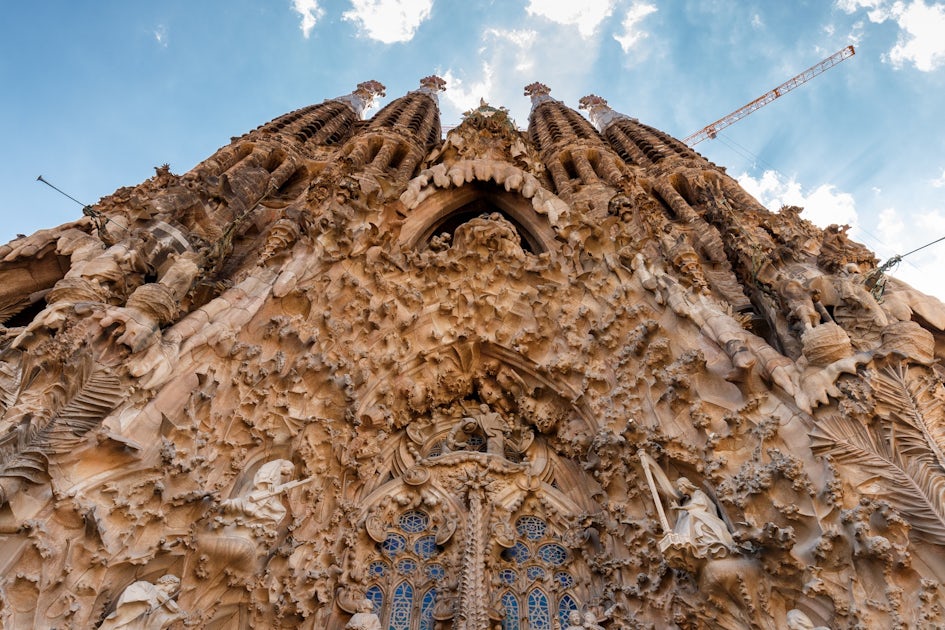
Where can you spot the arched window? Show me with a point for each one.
(535, 571)
(404, 567)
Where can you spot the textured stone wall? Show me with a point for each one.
(348, 374)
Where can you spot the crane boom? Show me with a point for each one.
(710, 131)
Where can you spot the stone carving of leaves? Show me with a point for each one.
(24, 452)
(901, 476)
(912, 400)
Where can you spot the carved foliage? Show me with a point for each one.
(900, 452)
(24, 451)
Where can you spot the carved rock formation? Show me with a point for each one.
(350, 374)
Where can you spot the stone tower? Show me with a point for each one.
(348, 374)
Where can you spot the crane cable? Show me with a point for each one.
(876, 280)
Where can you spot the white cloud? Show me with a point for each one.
(632, 35)
(757, 22)
(823, 206)
(921, 39)
(940, 181)
(919, 269)
(311, 13)
(389, 21)
(465, 95)
(585, 14)
(523, 40)
(160, 35)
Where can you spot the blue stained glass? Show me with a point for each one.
(378, 569)
(425, 547)
(508, 576)
(426, 610)
(565, 605)
(531, 527)
(375, 595)
(535, 573)
(401, 607)
(553, 554)
(476, 443)
(512, 614)
(393, 544)
(564, 580)
(436, 571)
(414, 522)
(406, 566)
(517, 553)
(539, 617)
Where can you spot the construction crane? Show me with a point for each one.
(710, 131)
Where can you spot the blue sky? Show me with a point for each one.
(97, 94)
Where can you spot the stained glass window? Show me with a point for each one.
(414, 522)
(539, 617)
(402, 560)
(565, 605)
(375, 595)
(436, 571)
(553, 554)
(401, 607)
(535, 573)
(393, 544)
(565, 580)
(426, 610)
(425, 547)
(508, 576)
(531, 527)
(518, 553)
(512, 614)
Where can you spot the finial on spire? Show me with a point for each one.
(600, 113)
(363, 96)
(539, 93)
(432, 84)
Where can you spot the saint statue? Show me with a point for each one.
(146, 606)
(699, 531)
(364, 619)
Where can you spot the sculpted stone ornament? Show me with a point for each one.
(146, 606)
(365, 618)
(698, 533)
(464, 341)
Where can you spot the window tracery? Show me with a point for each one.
(534, 575)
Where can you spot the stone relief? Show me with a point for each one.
(351, 374)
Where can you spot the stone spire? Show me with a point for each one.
(431, 85)
(600, 113)
(539, 93)
(363, 96)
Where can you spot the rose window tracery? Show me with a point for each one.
(405, 574)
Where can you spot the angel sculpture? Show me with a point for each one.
(146, 606)
(698, 530)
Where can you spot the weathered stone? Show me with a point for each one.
(351, 374)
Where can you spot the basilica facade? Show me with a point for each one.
(351, 373)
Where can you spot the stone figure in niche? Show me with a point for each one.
(797, 620)
(364, 619)
(146, 606)
(262, 506)
(494, 428)
(698, 533)
(589, 622)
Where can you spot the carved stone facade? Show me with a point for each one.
(348, 374)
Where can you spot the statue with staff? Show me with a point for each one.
(699, 532)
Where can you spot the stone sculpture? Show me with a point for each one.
(365, 618)
(146, 606)
(485, 378)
